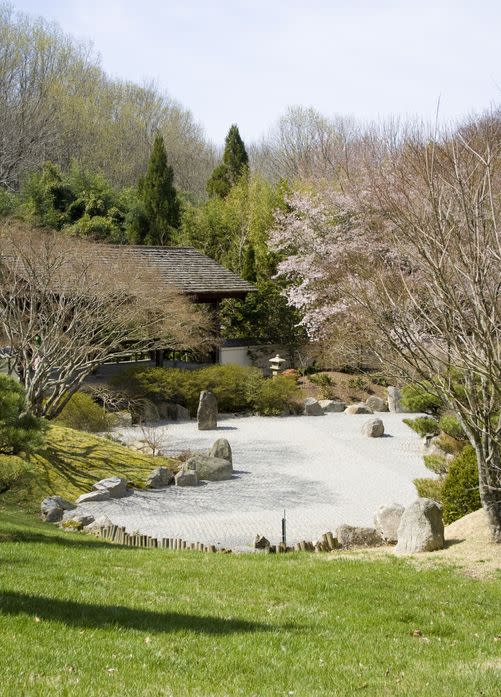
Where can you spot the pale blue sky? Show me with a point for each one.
(245, 61)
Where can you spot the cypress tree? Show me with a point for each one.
(159, 197)
(235, 163)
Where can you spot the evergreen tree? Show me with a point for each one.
(159, 197)
(235, 163)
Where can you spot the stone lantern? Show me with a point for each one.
(276, 365)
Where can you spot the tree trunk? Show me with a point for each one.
(490, 494)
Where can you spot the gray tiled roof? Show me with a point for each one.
(192, 272)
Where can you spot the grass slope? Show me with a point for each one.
(72, 461)
(82, 618)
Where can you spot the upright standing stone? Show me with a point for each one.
(421, 528)
(394, 397)
(207, 411)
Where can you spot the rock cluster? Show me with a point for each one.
(373, 428)
(109, 488)
(387, 520)
(329, 405)
(359, 408)
(212, 469)
(159, 478)
(375, 403)
(421, 528)
(53, 508)
(312, 407)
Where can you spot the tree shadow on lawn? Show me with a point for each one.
(92, 616)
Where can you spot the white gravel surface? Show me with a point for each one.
(320, 469)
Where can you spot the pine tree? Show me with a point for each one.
(235, 163)
(159, 197)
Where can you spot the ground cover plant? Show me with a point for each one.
(69, 463)
(83, 617)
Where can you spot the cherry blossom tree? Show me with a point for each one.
(408, 258)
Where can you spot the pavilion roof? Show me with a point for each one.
(192, 272)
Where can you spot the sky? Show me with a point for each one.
(246, 61)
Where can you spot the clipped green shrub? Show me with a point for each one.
(237, 388)
(416, 398)
(437, 463)
(13, 471)
(358, 383)
(450, 425)
(379, 379)
(83, 414)
(460, 493)
(325, 384)
(423, 425)
(276, 395)
(429, 488)
(19, 432)
(233, 385)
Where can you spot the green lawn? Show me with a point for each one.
(80, 617)
(71, 461)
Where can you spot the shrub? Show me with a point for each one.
(379, 379)
(437, 463)
(429, 488)
(416, 398)
(450, 425)
(449, 445)
(276, 395)
(325, 383)
(358, 383)
(233, 385)
(19, 432)
(460, 493)
(423, 425)
(237, 388)
(13, 471)
(82, 413)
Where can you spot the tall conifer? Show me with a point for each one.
(235, 163)
(159, 197)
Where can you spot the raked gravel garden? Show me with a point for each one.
(321, 470)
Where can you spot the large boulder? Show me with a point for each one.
(352, 536)
(376, 403)
(359, 408)
(387, 520)
(182, 414)
(221, 449)
(160, 478)
(115, 486)
(186, 478)
(394, 397)
(207, 411)
(373, 428)
(329, 405)
(101, 522)
(212, 469)
(421, 528)
(76, 520)
(312, 407)
(101, 495)
(52, 508)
